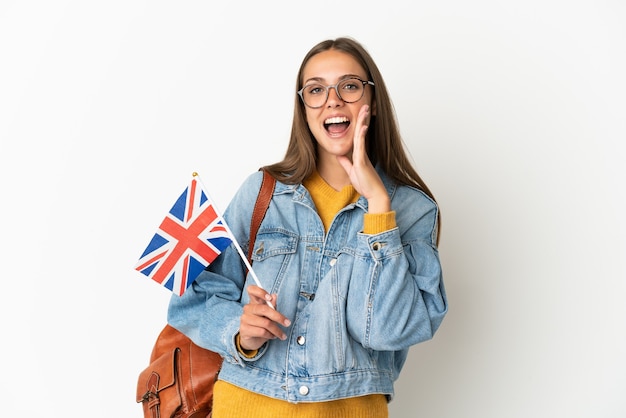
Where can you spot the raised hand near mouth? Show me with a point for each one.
(362, 174)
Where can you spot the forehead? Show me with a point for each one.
(331, 66)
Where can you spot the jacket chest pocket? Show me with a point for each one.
(274, 243)
(271, 255)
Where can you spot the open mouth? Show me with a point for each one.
(337, 124)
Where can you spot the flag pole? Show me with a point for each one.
(232, 237)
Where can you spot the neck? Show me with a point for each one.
(333, 174)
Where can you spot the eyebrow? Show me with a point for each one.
(343, 77)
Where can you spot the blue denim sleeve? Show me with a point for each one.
(397, 297)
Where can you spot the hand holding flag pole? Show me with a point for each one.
(190, 237)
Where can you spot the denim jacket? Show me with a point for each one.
(356, 302)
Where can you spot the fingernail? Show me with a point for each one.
(287, 322)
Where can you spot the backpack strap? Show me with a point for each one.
(260, 208)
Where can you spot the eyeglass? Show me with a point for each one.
(350, 90)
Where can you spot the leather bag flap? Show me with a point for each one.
(159, 375)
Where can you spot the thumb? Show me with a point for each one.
(345, 163)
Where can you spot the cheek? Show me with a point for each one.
(307, 115)
(310, 116)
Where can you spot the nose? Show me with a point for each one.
(334, 99)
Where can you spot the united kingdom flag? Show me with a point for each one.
(190, 237)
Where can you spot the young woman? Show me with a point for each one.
(346, 255)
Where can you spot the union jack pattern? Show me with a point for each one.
(190, 237)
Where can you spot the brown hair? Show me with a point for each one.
(385, 147)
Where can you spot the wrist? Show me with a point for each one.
(379, 204)
(245, 352)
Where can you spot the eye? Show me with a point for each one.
(314, 89)
(351, 85)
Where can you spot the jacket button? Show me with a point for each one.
(300, 340)
(303, 390)
(332, 261)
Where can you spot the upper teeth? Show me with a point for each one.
(336, 119)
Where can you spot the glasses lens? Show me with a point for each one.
(351, 90)
(314, 95)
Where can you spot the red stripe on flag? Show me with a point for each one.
(185, 274)
(152, 260)
(187, 238)
(192, 195)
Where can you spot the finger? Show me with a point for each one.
(261, 328)
(252, 326)
(252, 338)
(262, 321)
(358, 153)
(258, 295)
(263, 310)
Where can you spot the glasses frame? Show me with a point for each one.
(334, 86)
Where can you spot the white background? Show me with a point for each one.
(514, 113)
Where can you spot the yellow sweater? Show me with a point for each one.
(231, 401)
(328, 202)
